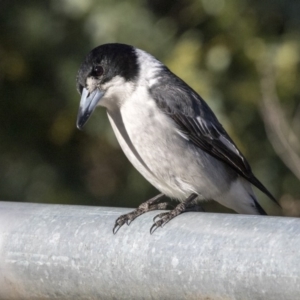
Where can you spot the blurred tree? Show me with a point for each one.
(218, 47)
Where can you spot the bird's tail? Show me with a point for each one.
(258, 207)
(260, 186)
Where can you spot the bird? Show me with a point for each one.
(168, 133)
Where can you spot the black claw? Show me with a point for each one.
(119, 223)
(153, 228)
(155, 217)
(156, 225)
(124, 219)
(116, 228)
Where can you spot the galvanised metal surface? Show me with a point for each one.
(70, 252)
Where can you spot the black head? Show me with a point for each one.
(107, 61)
(100, 67)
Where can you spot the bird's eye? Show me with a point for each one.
(98, 71)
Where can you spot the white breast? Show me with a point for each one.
(138, 126)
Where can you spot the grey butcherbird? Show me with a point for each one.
(167, 131)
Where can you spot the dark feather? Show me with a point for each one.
(260, 210)
(197, 121)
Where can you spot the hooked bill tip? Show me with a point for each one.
(82, 118)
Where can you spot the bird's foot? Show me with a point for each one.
(128, 218)
(149, 205)
(164, 218)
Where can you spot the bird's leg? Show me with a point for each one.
(187, 205)
(151, 204)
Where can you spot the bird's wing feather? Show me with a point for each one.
(212, 139)
(197, 121)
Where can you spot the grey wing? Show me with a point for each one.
(197, 121)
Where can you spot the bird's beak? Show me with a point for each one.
(88, 103)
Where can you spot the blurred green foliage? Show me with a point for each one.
(214, 45)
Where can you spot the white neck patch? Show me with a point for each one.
(149, 68)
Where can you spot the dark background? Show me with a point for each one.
(241, 56)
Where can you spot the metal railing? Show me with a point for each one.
(70, 252)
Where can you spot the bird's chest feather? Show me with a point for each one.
(151, 141)
(150, 130)
(143, 130)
